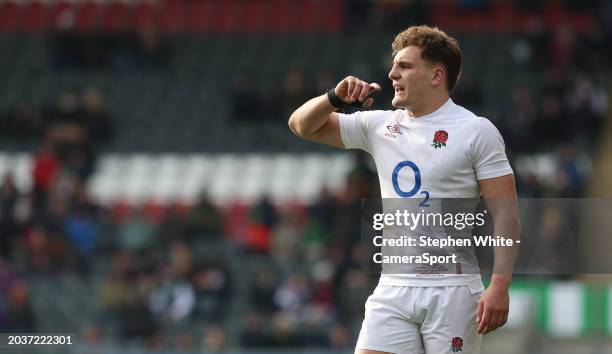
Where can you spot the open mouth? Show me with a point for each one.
(398, 90)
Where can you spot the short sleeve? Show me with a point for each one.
(354, 130)
(489, 151)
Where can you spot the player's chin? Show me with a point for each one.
(397, 102)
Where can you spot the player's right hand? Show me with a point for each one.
(352, 89)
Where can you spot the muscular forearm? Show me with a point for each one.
(311, 116)
(508, 226)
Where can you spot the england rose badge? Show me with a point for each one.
(440, 138)
(457, 345)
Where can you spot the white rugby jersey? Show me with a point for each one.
(439, 155)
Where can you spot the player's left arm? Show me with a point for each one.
(500, 195)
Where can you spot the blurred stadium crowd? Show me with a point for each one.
(260, 275)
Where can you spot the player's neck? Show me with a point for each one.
(429, 106)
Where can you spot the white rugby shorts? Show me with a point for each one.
(418, 319)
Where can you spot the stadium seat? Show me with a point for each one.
(226, 179)
(229, 17)
(116, 16)
(22, 165)
(62, 15)
(88, 16)
(174, 16)
(254, 17)
(201, 16)
(145, 14)
(35, 17)
(9, 16)
(256, 169)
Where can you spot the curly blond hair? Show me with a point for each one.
(436, 46)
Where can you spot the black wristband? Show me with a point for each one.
(335, 100)
(339, 103)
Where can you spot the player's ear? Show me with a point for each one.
(437, 76)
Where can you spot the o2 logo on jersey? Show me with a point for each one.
(417, 182)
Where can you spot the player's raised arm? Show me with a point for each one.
(316, 119)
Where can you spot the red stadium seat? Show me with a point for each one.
(309, 12)
(333, 16)
(62, 15)
(34, 18)
(526, 22)
(145, 14)
(583, 22)
(88, 16)
(115, 17)
(502, 16)
(443, 14)
(201, 15)
(174, 16)
(228, 17)
(254, 20)
(9, 16)
(281, 13)
(154, 211)
(554, 15)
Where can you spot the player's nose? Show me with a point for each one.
(393, 75)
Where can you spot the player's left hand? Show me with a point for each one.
(492, 308)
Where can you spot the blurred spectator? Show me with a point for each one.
(253, 334)
(8, 222)
(354, 291)
(517, 119)
(98, 122)
(212, 290)
(263, 291)
(35, 245)
(550, 125)
(286, 244)
(293, 294)
(136, 319)
(22, 123)
(19, 316)
(118, 284)
(173, 299)
(468, 94)
(180, 259)
(82, 227)
(214, 339)
(136, 233)
(296, 91)
(245, 101)
(587, 107)
(340, 338)
(46, 168)
(284, 331)
(323, 290)
(263, 217)
(204, 219)
(562, 46)
(569, 178)
(265, 213)
(151, 48)
(185, 343)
